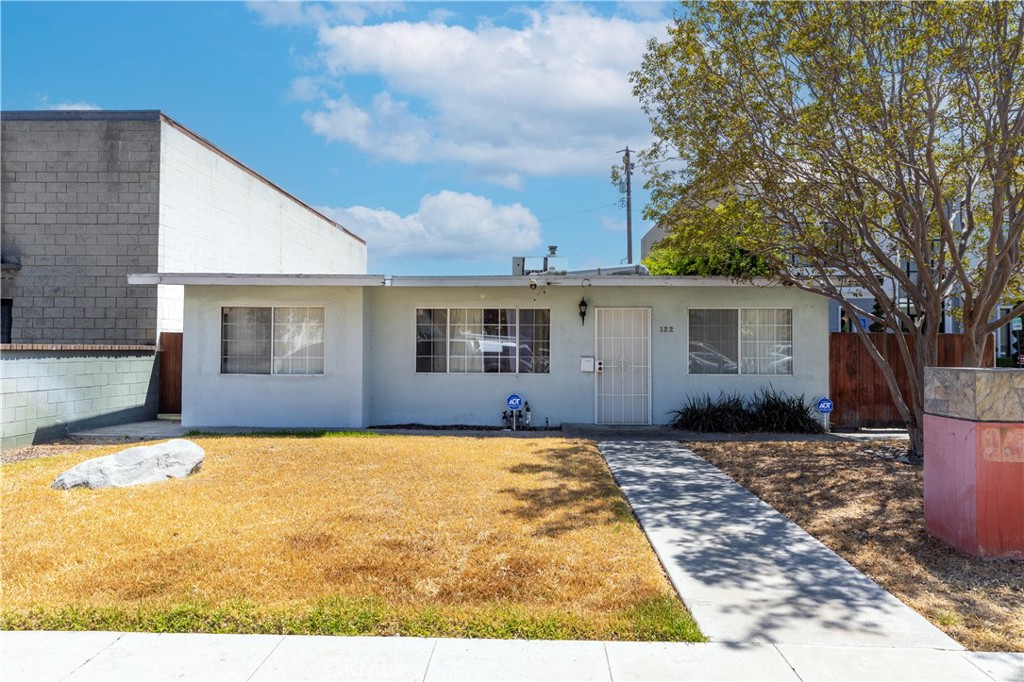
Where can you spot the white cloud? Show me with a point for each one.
(440, 15)
(612, 223)
(281, 13)
(647, 10)
(73, 106)
(549, 98)
(294, 13)
(386, 128)
(446, 225)
(305, 89)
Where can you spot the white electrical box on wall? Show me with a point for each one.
(586, 363)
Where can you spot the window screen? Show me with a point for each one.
(713, 342)
(264, 340)
(483, 340)
(745, 341)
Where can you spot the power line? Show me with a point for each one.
(498, 229)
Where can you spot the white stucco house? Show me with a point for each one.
(349, 351)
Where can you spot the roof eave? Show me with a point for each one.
(243, 279)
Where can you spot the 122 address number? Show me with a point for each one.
(666, 329)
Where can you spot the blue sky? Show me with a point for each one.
(452, 136)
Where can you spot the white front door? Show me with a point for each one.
(623, 355)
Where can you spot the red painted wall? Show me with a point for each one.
(1000, 486)
(974, 485)
(950, 489)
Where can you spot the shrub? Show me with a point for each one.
(768, 411)
(704, 414)
(776, 412)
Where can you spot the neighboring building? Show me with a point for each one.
(91, 196)
(651, 239)
(357, 351)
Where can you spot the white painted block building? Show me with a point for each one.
(358, 351)
(217, 215)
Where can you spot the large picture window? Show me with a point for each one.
(483, 340)
(743, 341)
(280, 340)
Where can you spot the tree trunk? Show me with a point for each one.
(915, 430)
(915, 425)
(975, 339)
(926, 354)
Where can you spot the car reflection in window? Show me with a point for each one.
(705, 359)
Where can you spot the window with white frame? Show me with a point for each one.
(272, 340)
(741, 341)
(483, 340)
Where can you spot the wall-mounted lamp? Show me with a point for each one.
(583, 311)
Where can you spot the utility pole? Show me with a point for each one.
(628, 166)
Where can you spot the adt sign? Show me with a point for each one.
(825, 406)
(514, 402)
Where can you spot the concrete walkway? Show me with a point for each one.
(156, 429)
(746, 572)
(776, 604)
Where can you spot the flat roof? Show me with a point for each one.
(475, 281)
(82, 115)
(249, 280)
(568, 279)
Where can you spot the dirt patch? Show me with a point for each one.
(865, 502)
(61, 447)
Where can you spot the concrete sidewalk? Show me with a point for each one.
(142, 656)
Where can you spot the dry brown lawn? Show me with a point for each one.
(870, 511)
(414, 535)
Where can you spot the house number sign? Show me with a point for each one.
(668, 330)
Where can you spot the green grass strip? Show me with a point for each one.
(285, 433)
(662, 619)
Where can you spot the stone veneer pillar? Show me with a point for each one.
(974, 459)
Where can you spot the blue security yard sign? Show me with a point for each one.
(514, 402)
(825, 406)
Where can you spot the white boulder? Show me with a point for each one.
(176, 458)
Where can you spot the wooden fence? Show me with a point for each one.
(856, 384)
(170, 372)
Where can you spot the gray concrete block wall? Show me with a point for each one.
(80, 211)
(43, 395)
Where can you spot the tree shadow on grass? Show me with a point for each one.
(572, 489)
